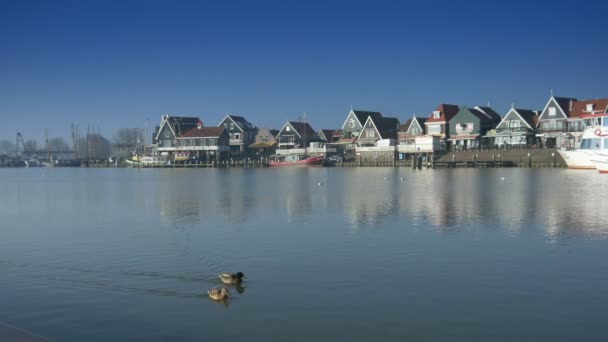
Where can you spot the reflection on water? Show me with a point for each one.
(137, 250)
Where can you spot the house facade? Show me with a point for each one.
(555, 127)
(187, 136)
(516, 129)
(437, 123)
(352, 126)
(242, 133)
(295, 137)
(265, 143)
(469, 125)
(377, 141)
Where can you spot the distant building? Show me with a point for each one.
(553, 123)
(377, 140)
(265, 142)
(296, 135)
(188, 135)
(437, 123)
(469, 125)
(242, 132)
(330, 135)
(352, 126)
(516, 129)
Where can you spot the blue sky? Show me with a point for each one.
(118, 63)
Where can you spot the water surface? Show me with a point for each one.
(343, 254)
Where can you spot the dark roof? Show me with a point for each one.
(491, 113)
(387, 127)
(580, 107)
(564, 103)
(241, 121)
(203, 132)
(406, 125)
(529, 115)
(447, 113)
(328, 134)
(274, 132)
(302, 128)
(181, 124)
(362, 115)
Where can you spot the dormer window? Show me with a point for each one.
(436, 114)
(552, 111)
(590, 108)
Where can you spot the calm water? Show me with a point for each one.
(457, 255)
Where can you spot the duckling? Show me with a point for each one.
(231, 278)
(219, 293)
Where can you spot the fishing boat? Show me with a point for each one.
(296, 160)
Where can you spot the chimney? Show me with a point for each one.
(199, 124)
(570, 105)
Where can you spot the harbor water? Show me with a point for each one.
(341, 254)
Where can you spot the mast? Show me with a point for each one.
(304, 132)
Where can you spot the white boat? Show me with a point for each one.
(599, 158)
(591, 144)
(147, 161)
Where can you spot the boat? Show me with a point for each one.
(297, 160)
(63, 163)
(147, 161)
(591, 143)
(181, 156)
(599, 157)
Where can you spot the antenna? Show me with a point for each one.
(551, 92)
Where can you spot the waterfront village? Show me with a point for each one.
(368, 138)
(371, 137)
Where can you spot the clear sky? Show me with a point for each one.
(117, 63)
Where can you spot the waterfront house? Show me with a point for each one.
(469, 125)
(591, 112)
(412, 138)
(265, 143)
(295, 136)
(242, 133)
(516, 129)
(188, 136)
(553, 129)
(353, 125)
(330, 135)
(437, 123)
(377, 140)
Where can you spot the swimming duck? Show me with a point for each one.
(231, 278)
(219, 293)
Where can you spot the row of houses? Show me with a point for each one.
(368, 135)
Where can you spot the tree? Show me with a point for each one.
(30, 146)
(128, 136)
(58, 145)
(7, 147)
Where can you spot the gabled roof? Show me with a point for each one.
(489, 112)
(239, 121)
(579, 109)
(274, 132)
(327, 134)
(301, 128)
(447, 112)
(178, 124)
(386, 127)
(406, 126)
(203, 132)
(362, 115)
(527, 115)
(564, 103)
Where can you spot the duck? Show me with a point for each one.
(221, 293)
(231, 278)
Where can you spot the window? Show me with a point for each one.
(434, 129)
(552, 111)
(559, 125)
(605, 143)
(370, 132)
(287, 128)
(436, 114)
(515, 123)
(605, 118)
(231, 125)
(590, 107)
(237, 136)
(591, 144)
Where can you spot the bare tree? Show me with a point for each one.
(128, 136)
(30, 146)
(7, 147)
(58, 145)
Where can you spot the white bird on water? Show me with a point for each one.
(386, 179)
(402, 178)
(320, 184)
(502, 178)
